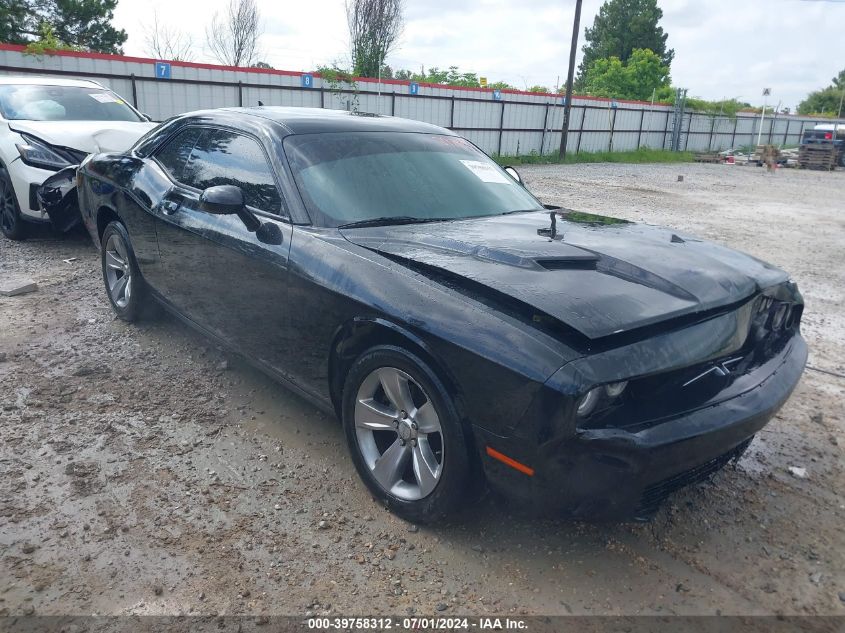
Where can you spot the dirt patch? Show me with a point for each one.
(143, 475)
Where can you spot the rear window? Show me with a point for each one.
(814, 136)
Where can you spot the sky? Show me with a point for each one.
(723, 48)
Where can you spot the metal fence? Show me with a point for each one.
(500, 122)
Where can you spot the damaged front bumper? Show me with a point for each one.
(612, 473)
(57, 196)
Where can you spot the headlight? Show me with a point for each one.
(588, 402)
(37, 153)
(615, 389)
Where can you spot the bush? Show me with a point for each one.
(642, 155)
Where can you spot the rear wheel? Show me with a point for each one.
(405, 435)
(11, 222)
(124, 285)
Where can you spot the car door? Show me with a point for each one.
(219, 274)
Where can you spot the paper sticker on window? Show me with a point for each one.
(104, 97)
(485, 171)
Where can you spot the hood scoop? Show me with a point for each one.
(568, 263)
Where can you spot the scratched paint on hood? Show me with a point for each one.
(600, 280)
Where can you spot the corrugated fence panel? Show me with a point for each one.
(519, 122)
(624, 141)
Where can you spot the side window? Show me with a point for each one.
(174, 154)
(222, 157)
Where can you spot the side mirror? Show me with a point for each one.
(222, 200)
(513, 173)
(228, 200)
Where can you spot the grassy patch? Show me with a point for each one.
(642, 155)
(591, 218)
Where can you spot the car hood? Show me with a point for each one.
(598, 275)
(86, 136)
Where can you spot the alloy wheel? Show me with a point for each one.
(8, 211)
(118, 271)
(399, 434)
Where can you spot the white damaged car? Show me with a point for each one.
(47, 125)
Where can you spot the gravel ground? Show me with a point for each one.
(143, 472)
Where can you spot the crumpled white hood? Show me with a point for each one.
(86, 136)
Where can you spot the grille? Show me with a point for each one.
(656, 494)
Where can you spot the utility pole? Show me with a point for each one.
(569, 78)
(766, 93)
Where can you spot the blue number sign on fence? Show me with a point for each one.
(307, 81)
(497, 95)
(414, 88)
(162, 70)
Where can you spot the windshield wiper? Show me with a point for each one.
(387, 220)
(520, 211)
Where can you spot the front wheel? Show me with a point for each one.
(124, 285)
(11, 222)
(405, 436)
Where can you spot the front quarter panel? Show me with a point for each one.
(124, 186)
(494, 362)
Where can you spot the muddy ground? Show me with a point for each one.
(143, 472)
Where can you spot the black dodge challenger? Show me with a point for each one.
(392, 273)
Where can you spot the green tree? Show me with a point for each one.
(501, 85)
(47, 43)
(81, 24)
(451, 76)
(374, 29)
(825, 101)
(543, 89)
(16, 23)
(725, 107)
(620, 28)
(638, 78)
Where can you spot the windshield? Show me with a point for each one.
(63, 103)
(354, 177)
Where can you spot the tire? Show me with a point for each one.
(427, 473)
(11, 223)
(125, 287)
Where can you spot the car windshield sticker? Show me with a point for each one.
(104, 97)
(485, 171)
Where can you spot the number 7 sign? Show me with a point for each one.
(162, 70)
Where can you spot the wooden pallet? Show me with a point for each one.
(707, 157)
(817, 157)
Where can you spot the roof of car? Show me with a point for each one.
(313, 120)
(47, 81)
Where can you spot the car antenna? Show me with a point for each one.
(550, 232)
(260, 102)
